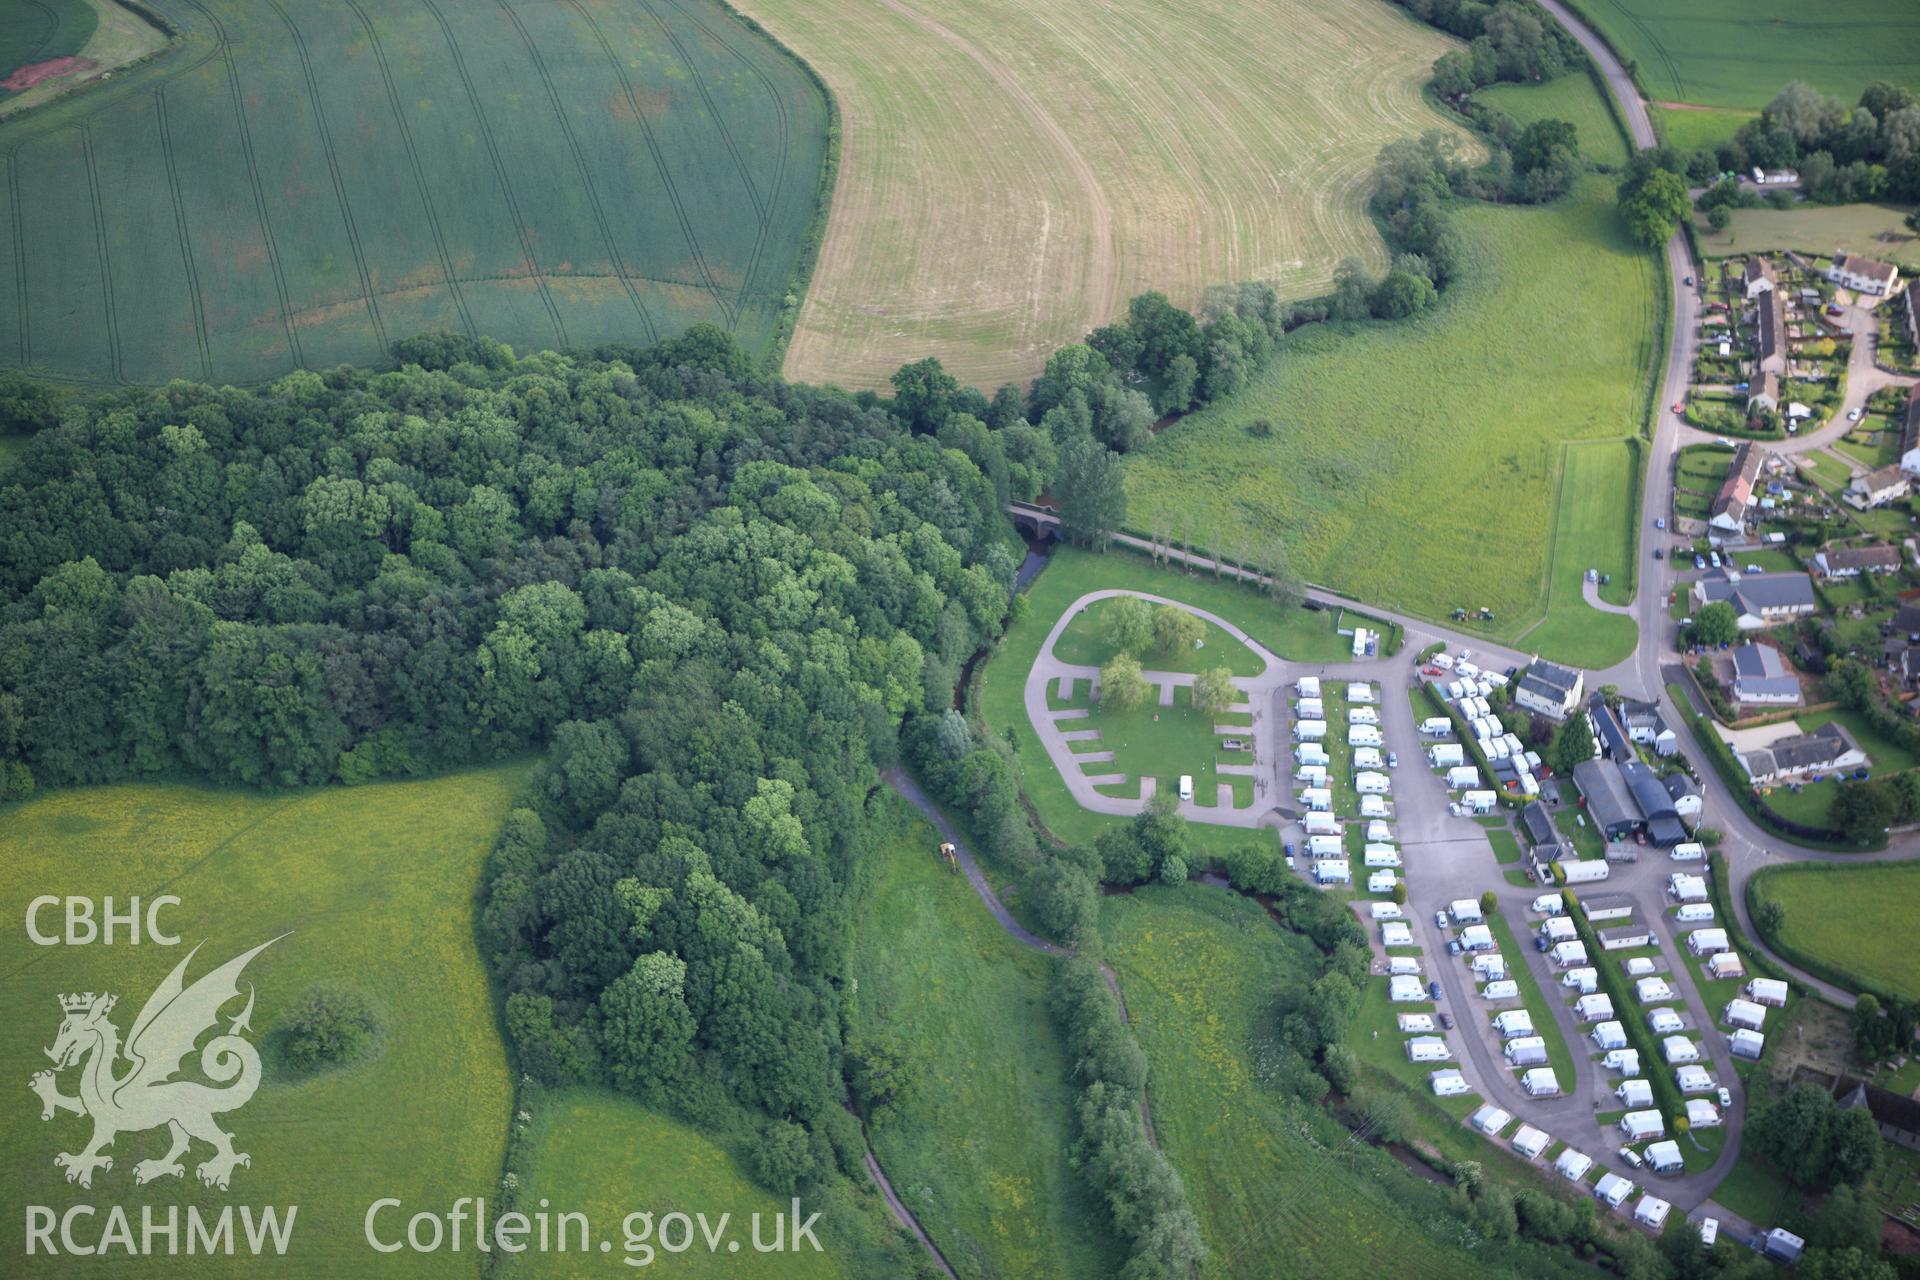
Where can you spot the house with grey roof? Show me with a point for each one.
(1549, 689)
(1760, 676)
(1758, 599)
(1647, 725)
(1765, 393)
(1863, 275)
(1686, 796)
(1728, 512)
(1608, 733)
(1910, 425)
(1759, 277)
(1828, 749)
(1772, 331)
(1850, 562)
(1878, 488)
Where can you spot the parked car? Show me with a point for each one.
(1454, 948)
(1678, 407)
(1689, 279)
(1433, 989)
(1660, 522)
(1853, 415)
(1446, 1022)
(1393, 759)
(1658, 554)
(1539, 944)
(1726, 1096)
(1439, 919)
(1714, 558)
(1632, 1157)
(1699, 562)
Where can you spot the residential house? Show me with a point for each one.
(1765, 394)
(1851, 562)
(1771, 323)
(1758, 599)
(1878, 488)
(1896, 1116)
(1761, 676)
(1685, 795)
(1609, 800)
(1828, 749)
(1863, 275)
(1731, 504)
(1608, 733)
(1647, 725)
(1910, 427)
(1912, 295)
(1539, 827)
(1759, 278)
(1549, 689)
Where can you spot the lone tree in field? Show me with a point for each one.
(1128, 624)
(1213, 691)
(1122, 687)
(1175, 630)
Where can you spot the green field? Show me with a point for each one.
(1875, 229)
(1418, 464)
(299, 185)
(1272, 1182)
(1084, 643)
(1599, 480)
(1737, 53)
(1857, 921)
(1152, 741)
(979, 1150)
(1574, 98)
(375, 888)
(1689, 128)
(40, 30)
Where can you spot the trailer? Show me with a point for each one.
(1501, 989)
(1583, 871)
(1489, 966)
(1526, 1051)
(1382, 882)
(1381, 855)
(1320, 823)
(1558, 929)
(1326, 847)
(1512, 1023)
(1625, 1061)
(1465, 911)
(1635, 1093)
(1550, 904)
(1308, 686)
(1695, 913)
(1704, 942)
(1373, 784)
(1332, 873)
(1364, 735)
(1312, 753)
(1317, 799)
(1446, 755)
(1744, 1013)
(1406, 990)
(1448, 1084)
(1476, 937)
(1694, 1079)
(1309, 709)
(1395, 933)
(1463, 777)
(1609, 1036)
(1584, 979)
(1436, 726)
(1540, 1082)
(1767, 991)
(1428, 1049)
(1480, 801)
(1594, 1008)
(1642, 1125)
(1379, 833)
(1569, 954)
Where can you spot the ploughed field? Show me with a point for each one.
(303, 184)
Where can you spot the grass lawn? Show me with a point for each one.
(1754, 1191)
(1876, 229)
(606, 1156)
(1376, 1039)
(1574, 98)
(1738, 53)
(1885, 755)
(1153, 741)
(374, 887)
(1084, 643)
(1270, 1179)
(1506, 848)
(1585, 838)
(1828, 471)
(1691, 128)
(979, 1148)
(1420, 463)
(1857, 920)
(1599, 481)
(1809, 805)
(1535, 1000)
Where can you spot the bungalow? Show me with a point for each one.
(1735, 497)
(1878, 488)
(1530, 1142)
(1626, 938)
(1851, 562)
(1602, 908)
(1772, 325)
(1830, 748)
(1610, 803)
(1863, 275)
(1761, 676)
(1549, 689)
(1759, 278)
(1758, 599)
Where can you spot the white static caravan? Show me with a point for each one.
(1415, 1023)
(1558, 929)
(1395, 933)
(1365, 735)
(1688, 852)
(1725, 964)
(1406, 990)
(1609, 1035)
(1368, 758)
(1309, 730)
(1635, 1093)
(1361, 692)
(1466, 911)
(1332, 872)
(1428, 1049)
(1382, 882)
(1702, 1114)
(1317, 799)
(1309, 709)
(1447, 755)
(1454, 690)
(1463, 777)
(1373, 784)
(1513, 1023)
(1381, 855)
(1612, 1190)
(1436, 727)
(1767, 991)
(1490, 1120)
(1695, 913)
(1625, 1061)
(1572, 1165)
(1526, 1051)
(1362, 715)
(1747, 1044)
(1652, 990)
(1489, 967)
(1685, 888)
(1540, 1082)
(1704, 942)
(1583, 870)
(1665, 1022)
(1312, 775)
(1476, 937)
(1679, 1050)
(1694, 1079)
(1569, 954)
(1374, 807)
(1386, 911)
(1642, 1125)
(1550, 904)
(1480, 801)
(1320, 823)
(1638, 966)
(1594, 1008)
(1444, 661)
(1326, 847)
(1501, 989)
(1665, 1157)
(1652, 1211)
(1585, 979)
(1449, 1083)
(1379, 833)
(1530, 1142)
(1308, 686)
(1312, 753)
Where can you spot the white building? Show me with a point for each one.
(1490, 1120)
(1530, 1142)
(1747, 1044)
(1549, 689)
(1863, 275)
(1652, 1210)
(1702, 1114)
(1635, 1093)
(1694, 1079)
(1573, 1165)
(1609, 1035)
(1641, 1125)
(1767, 991)
(1448, 1083)
(1679, 1050)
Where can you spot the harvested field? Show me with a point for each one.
(1012, 173)
(302, 185)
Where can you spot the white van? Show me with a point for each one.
(1186, 786)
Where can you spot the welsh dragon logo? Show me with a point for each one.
(145, 1094)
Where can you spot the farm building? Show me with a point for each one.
(1526, 1051)
(1610, 804)
(1625, 1061)
(1665, 1021)
(1863, 275)
(1476, 937)
(1759, 277)
(1728, 512)
(1652, 990)
(1767, 991)
(1540, 1082)
(1704, 942)
(1514, 1022)
(1569, 954)
(1612, 1190)
(1828, 749)
(1549, 689)
(1652, 1211)
(1530, 1142)
(1415, 1023)
(1610, 1035)
(1490, 1120)
(1605, 908)
(1501, 989)
(1702, 1114)
(1448, 1083)
(1725, 964)
(1428, 1049)
(1641, 1125)
(1693, 1079)
(1585, 979)
(1626, 938)
(1850, 562)
(1758, 599)
(1331, 872)
(1679, 1050)
(1760, 676)
(1395, 933)
(1558, 929)
(1489, 966)
(1594, 1008)
(1635, 1093)
(1879, 487)
(1406, 990)
(1572, 1165)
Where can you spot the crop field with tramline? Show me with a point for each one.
(303, 184)
(1012, 173)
